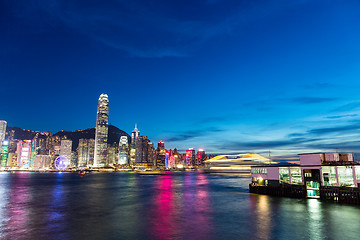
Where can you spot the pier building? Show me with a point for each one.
(316, 174)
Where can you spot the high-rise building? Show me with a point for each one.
(141, 147)
(101, 131)
(85, 152)
(151, 158)
(134, 135)
(2, 132)
(190, 157)
(65, 150)
(160, 154)
(24, 153)
(123, 151)
(33, 152)
(200, 157)
(111, 158)
(4, 153)
(43, 162)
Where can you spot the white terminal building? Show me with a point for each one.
(315, 170)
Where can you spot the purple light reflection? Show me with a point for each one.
(164, 217)
(17, 206)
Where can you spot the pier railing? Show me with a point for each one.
(340, 194)
(347, 195)
(282, 190)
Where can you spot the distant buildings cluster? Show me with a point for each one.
(46, 151)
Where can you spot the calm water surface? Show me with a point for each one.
(186, 206)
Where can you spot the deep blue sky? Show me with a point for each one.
(228, 76)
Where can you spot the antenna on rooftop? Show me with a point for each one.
(269, 153)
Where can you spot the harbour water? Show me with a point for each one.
(190, 205)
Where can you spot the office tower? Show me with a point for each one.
(200, 157)
(53, 144)
(85, 152)
(65, 150)
(33, 152)
(123, 151)
(43, 162)
(41, 146)
(151, 154)
(2, 132)
(167, 159)
(134, 135)
(4, 153)
(111, 158)
(141, 147)
(24, 153)
(160, 154)
(190, 157)
(73, 160)
(101, 131)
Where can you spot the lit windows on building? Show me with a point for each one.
(200, 157)
(123, 151)
(4, 153)
(24, 154)
(284, 174)
(329, 176)
(295, 173)
(101, 131)
(190, 157)
(85, 152)
(357, 172)
(346, 178)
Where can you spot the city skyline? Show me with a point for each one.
(226, 77)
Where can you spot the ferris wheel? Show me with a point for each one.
(61, 163)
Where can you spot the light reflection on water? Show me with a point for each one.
(186, 206)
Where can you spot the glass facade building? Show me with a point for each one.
(123, 151)
(85, 152)
(101, 131)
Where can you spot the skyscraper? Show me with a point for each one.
(123, 151)
(141, 146)
(200, 157)
(85, 152)
(160, 154)
(65, 150)
(2, 131)
(24, 153)
(190, 157)
(112, 156)
(134, 135)
(101, 131)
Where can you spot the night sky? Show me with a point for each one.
(226, 76)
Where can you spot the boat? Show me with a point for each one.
(235, 163)
(151, 172)
(82, 173)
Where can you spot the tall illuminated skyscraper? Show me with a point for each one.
(2, 132)
(101, 131)
(134, 135)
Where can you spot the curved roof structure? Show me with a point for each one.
(245, 157)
